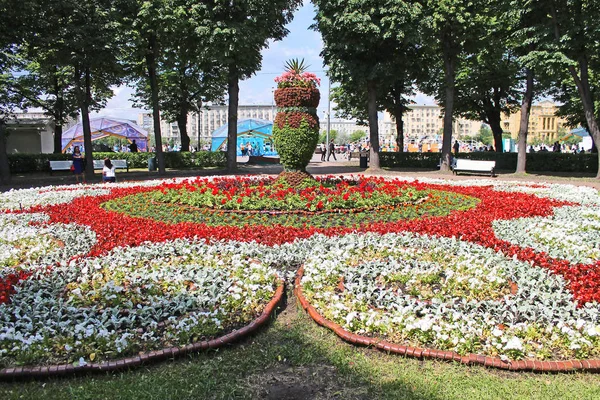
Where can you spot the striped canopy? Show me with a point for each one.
(106, 126)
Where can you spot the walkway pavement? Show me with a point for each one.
(316, 167)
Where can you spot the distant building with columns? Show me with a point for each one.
(544, 124)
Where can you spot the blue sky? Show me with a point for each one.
(301, 42)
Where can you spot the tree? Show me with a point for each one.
(241, 29)
(48, 85)
(576, 48)
(357, 135)
(453, 26)
(149, 25)
(361, 41)
(187, 71)
(82, 37)
(488, 78)
(14, 29)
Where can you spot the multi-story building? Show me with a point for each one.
(346, 127)
(544, 124)
(202, 124)
(427, 121)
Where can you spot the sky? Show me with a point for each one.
(301, 42)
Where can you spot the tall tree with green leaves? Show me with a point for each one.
(48, 85)
(361, 39)
(188, 73)
(18, 19)
(84, 38)
(453, 27)
(576, 48)
(488, 83)
(241, 29)
(150, 25)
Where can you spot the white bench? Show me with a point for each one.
(60, 165)
(465, 165)
(99, 164)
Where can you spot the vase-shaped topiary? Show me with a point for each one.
(296, 127)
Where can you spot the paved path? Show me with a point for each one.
(316, 167)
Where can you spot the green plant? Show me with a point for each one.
(296, 65)
(295, 145)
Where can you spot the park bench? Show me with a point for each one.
(99, 164)
(465, 165)
(64, 165)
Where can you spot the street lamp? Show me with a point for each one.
(273, 103)
(328, 111)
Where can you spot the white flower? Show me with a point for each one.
(497, 332)
(514, 343)
(594, 331)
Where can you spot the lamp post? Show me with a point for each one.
(273, 103)
(328, 111)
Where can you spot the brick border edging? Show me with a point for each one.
(422, 353)
(152, 356)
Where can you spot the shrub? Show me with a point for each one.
(180, 160)
(536, 162)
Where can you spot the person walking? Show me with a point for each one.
(456, 148)
(331, 150)
(133, 148)
(323, 151)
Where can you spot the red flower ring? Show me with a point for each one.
(475, 225)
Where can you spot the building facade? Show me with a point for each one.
(428, 121)
(544, 124)
(32, 132)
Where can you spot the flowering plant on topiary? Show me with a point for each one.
(296, 76)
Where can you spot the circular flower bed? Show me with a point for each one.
(131, 300)
(469, 306)
(323, 203)
(94, 274)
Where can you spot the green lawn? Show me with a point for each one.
(294, 358)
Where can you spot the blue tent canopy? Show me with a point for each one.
(257, 132)
(580, 132)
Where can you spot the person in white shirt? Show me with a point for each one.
(108, 172)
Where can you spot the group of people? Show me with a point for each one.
(557, 148)
(329, 150)
(78, 167)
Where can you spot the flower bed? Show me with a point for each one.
(448, 295)
(134, 299)
(508, 271)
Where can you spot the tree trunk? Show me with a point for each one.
(583, 87)
(58, 114)
(87, 131)
(151, 56)
(524, 124)
(373, 126)
(4, 165)
(494, 119)
(182, 124)
(58, 131)
(233, 91)
(400, 128)
(449, 73)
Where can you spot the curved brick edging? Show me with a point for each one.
(417, 352)
(152, 356)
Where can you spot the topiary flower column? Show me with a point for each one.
(296, 127)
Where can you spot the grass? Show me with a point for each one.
(293, 358)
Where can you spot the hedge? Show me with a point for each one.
(179, 160)
(536, 162)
